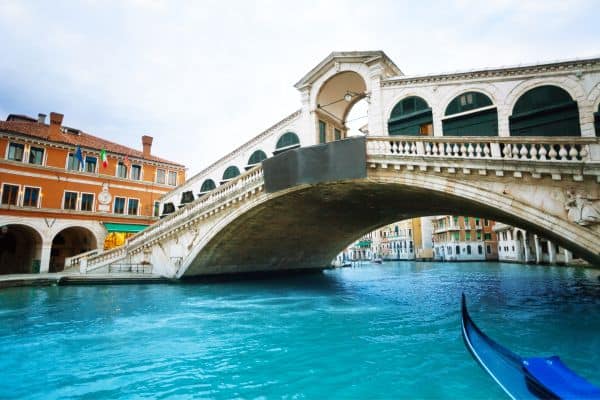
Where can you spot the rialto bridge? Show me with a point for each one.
(518, 145)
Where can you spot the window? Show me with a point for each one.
(486, 222)
(466, 221)
(478, 235)
(132, 206)
(337, 133)
(119, 205)
(121, 170)
(73, 164)
(322, 132)
(449, 250)
(36, 155)
(10, 194)
(468, 235)
(457, 250)
(481, 121)
(468, 249)
(173, 178)
(87, 201)
(136, 172)
(90, 164)
(488, 236)
(160, 176)
(31, 197)
(455, 221)
(70, 201)
(411, 116)
(156, 208)
(489, 249)
(287, 141)
(477, 221)
(480, 249)
(455, 235)
(15, 151)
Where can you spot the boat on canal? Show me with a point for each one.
(523, 378)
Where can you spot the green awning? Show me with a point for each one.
(127, 228)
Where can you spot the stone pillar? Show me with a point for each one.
(525, 247)
(376, 117)
(45, 257)
(538, 250)
(568, 256)
(551, 252)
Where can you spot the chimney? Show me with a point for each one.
(147, 145)
(41, 118)
(55, 123)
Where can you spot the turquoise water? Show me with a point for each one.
(389, 332)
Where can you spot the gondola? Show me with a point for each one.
(524, 378)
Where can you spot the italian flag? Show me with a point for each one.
(103, 158)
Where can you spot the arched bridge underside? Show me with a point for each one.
(301, 208)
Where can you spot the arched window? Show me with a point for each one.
(471, 114)
(597, 121)
(231, 172)
(287, 141)
(545, 111)
(411, 116)
(256, 158)
(207, 186)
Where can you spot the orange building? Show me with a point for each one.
(59, 200)
(462, 238)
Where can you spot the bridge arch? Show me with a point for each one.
(256, 158)
(545, 110)
(412, 115)
(20, 248)
(288, 141)
(230, 173)
(572, 86)
(207, 186)
(338, 208)
(470, 113)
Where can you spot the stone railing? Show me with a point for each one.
(249, 180)
(575, 149)
(73, 262)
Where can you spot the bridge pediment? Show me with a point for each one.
(336, 58)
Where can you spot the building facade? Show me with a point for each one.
(462, 238)
(64, 192)
(520, 246)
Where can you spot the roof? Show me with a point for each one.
(559, 65)
(42, 131)
(367, 57)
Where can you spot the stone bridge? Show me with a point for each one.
(300, 208)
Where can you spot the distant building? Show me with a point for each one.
(518, 245)
(458, 238)
(59, 200)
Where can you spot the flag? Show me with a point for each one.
(79, 155)
(104, 159)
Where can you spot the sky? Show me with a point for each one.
(203, 77)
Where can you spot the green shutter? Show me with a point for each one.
(322, 132)
(467, 102)
(257, 157)
(207, 186)
(231, 172)
(287, 139)
(483, 123)
(545, 111)
(408, 116)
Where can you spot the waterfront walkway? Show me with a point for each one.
(75, 278)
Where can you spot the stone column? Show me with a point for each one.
(45, 257)
(376, 118)
(525, 247)
(551, 252)
(538, 250)
(568, 256)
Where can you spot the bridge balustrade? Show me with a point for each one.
(496, 148)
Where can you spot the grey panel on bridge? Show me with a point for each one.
(334, 161)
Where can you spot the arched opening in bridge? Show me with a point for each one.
(207, 186)
(545, 111)
(411, 116)
(230, 173)
(20, 249)
(256, 158)
(287, 141)
(342, 107)
(470, 114)
(68, 243)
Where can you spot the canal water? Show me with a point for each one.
(386, 331)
